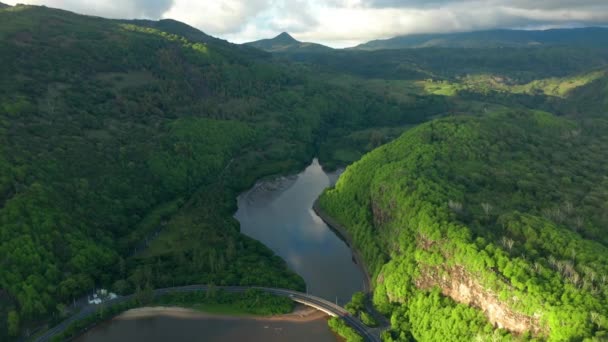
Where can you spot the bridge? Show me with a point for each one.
(318, 303)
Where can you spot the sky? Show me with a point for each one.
(342, 23)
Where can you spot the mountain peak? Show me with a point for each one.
(285, 37)
(284, 42)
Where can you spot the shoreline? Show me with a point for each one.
(300, 314)
(345, 236)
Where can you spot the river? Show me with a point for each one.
(189, 326)
(278, 213)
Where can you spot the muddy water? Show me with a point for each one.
(192, 326)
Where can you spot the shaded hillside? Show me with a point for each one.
(107, 129)
(582, 37)
(112, 132)
(474, 222)
(284, 43)
(520, 65)
(589, 99)
(123, 145)
(242, 52)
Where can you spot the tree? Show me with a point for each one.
(596, 319)
(145, 295)
(13, 323)
(121, 286)
(487, 208)
(368, 319)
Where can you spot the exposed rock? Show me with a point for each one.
(456, 283)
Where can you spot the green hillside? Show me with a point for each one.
(505, 212)
(123, 146)
(113, 131)
(589, 37)
(483, 83)
(519, 65)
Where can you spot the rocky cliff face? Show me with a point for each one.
(456, 283)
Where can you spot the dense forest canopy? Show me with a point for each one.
(511, 205)
(581, 37)
(113, 131)
(123, 145)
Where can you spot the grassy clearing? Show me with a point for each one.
(484, 83)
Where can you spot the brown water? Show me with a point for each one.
(279, 214)
(185, 329)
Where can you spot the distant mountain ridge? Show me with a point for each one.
(284, 42)
(3, 5)
(589, 36)
(195, 35)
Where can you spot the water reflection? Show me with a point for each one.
(186, 329)
(279, 214)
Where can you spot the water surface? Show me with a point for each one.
(161, 328)
(279, 214)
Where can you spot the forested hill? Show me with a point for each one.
(505, 215)
(123, 145)
(116, 136)
(242, 53)
(582, 37)
(285, 43)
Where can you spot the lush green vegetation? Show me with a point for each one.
(123, 145)
(341, 328)
(114, 132)
(517, 64)
(94, 142)
(516, 198)
(252, 302)
(357, 308)
(555, 87)
(582, 37)
(101, 315)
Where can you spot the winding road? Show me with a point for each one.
(369, 334)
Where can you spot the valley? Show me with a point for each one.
(473, 188)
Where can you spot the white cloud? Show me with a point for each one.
(129, 9)
(217, 17)
(346, 22)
